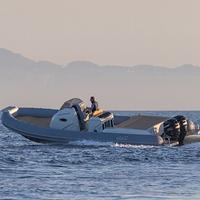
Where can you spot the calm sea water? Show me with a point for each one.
(90, 170)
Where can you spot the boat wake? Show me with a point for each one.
(90, 143)
(133, 146)
(108, 144)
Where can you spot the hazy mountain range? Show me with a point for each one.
(25, 82)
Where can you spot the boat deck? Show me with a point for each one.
(141, 122)
(39, 121)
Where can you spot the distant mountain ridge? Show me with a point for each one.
(9, 58)
(27, 82)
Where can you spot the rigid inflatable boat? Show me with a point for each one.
(74, 122)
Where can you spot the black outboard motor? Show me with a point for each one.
(183, 128)
(171, 129)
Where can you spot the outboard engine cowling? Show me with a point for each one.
(171, 129)
(183, 128)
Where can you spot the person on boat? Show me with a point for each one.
(94, 104)
(94, 109)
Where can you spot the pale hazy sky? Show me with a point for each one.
(123, 32)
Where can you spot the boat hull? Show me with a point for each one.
(45, 134)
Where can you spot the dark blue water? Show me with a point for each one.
(89, 170)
